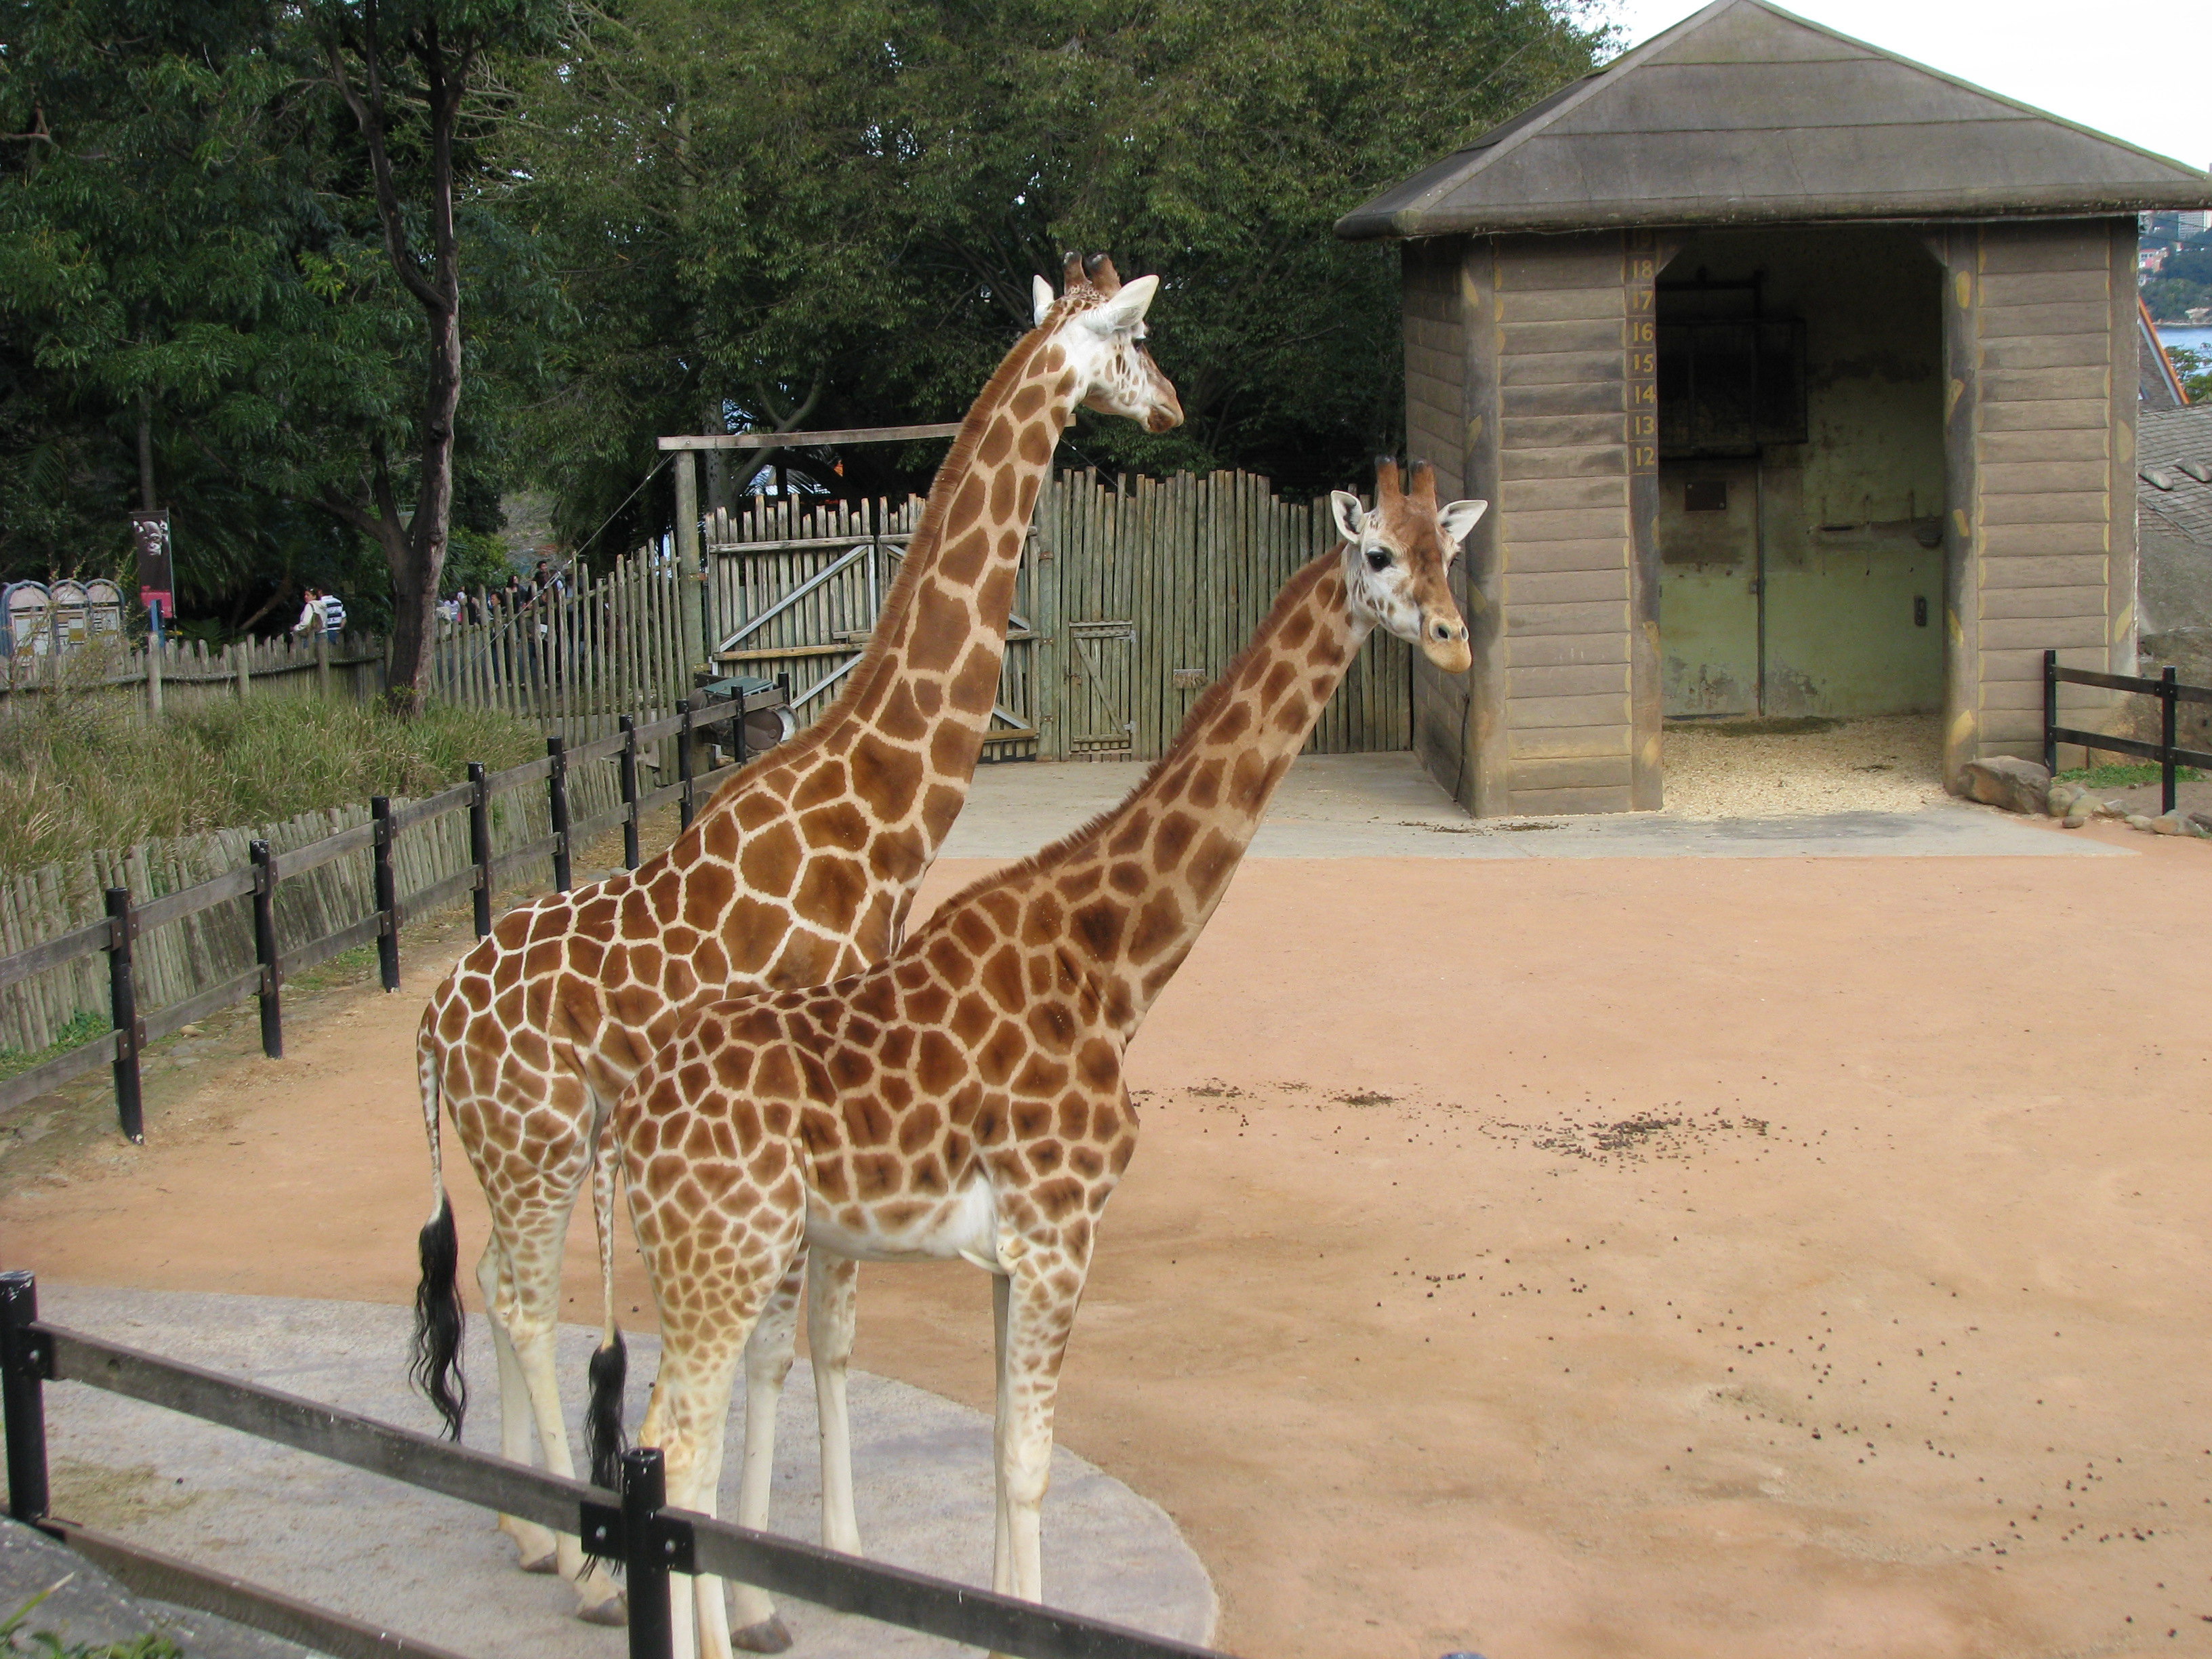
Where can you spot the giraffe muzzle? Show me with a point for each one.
(1444, 642)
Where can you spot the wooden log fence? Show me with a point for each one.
(1132, 598)
(174, 957)
(576, 659)
(185, 674)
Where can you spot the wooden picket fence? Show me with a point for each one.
(351, 666)
(1131, 600)
(576, 660)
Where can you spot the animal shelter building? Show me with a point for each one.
(1802, 379)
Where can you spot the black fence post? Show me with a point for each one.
(123, 1013)
(630, 793)
(24, 1368)
(557, 790)
(645, 1491)
(480, 845)
(684, 804)
(265, 949)
(2167, 698)
(2050, 712)
(387, 895)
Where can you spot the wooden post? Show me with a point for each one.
(1958, 247)
(685, 805)
(322, 664)
(243, 651)
(265, 949)
(480, 845)
(629, 792)
(154, 677)
(557, 789)
(123, 1013)
(387, 895)
(690, 587)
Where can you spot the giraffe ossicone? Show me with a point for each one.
(801, 869)
(963, 1100)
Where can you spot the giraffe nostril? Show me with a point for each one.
(1443, 630)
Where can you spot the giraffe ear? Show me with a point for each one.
(1349, 516)
(1040, 297)
(1456, 520)
(1126, 309)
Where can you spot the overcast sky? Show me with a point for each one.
(2132, 68)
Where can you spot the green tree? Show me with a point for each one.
(838, 208)
(200, 305)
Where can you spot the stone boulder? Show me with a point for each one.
(2015, 785)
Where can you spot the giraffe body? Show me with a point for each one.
(963, 1099)
(799, 870)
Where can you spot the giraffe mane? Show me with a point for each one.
(1210, 701)
(931, 531)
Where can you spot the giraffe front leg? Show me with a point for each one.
(767, 1361)
(1043, 1285)
(535, 1546)
(833, 1284)
(1002, 1553)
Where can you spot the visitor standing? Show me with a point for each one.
(334, 617)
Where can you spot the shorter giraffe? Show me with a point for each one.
(964, 1098)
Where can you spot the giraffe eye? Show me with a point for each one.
(1379, 558)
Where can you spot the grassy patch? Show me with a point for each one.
(82, 1028)
(2116, 774)
(81, 771)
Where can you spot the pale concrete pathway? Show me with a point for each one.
(1349, 806)
(438, 1570)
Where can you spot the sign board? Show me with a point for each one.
(157, 580)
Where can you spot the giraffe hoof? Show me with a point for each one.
(769, 1636)
(549, 1562)
(615, 1610)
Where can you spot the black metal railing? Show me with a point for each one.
(127, 919)
(634, 1526)
(2170, 693)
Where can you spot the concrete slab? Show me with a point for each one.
(438, 1569)
(1345, 806)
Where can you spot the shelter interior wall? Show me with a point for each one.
(1849, 519)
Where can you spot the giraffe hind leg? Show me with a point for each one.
(535, 1545)
(768, 1353)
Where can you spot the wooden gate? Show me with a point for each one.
(1130, 600)
(793, 592)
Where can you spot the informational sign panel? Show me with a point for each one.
(157, 579)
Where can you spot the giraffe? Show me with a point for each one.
(964, 1098)
(801, 869)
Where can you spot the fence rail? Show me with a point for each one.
(2167, 751)
(634, 1525)
(185, 673)
(128, 919)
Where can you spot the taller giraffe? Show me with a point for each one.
(964, 1099)
(801, 869)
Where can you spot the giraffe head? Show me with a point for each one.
(1395, 555)
(1099, 322)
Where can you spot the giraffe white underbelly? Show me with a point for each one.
(964, 1227)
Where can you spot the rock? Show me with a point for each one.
(2113, 808)
(2167, 823)
(2059, 803)
(2075, 820)
(2137, 821)
(189, 1030)
(2006, 781)
(2202, 821)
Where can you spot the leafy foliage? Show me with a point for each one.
(670, 216)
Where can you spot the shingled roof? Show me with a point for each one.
(1746, 114)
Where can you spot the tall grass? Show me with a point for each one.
(90, 770)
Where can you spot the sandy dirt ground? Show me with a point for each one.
(1548, 1258)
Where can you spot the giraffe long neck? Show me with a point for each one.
(1164, 858)
(930, 676)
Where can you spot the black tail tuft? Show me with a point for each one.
(437, 1369)
(602, 1414)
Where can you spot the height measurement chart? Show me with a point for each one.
(1640, 360)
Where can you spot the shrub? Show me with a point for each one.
(84, 770)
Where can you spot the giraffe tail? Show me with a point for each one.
(435, 1367)
(610, 1367)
